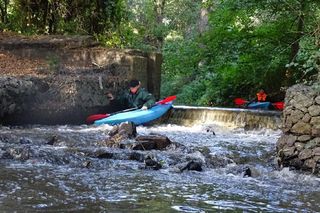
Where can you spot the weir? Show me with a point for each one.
(227, 117)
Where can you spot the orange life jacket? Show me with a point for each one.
(261, 96)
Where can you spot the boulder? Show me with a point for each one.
(301, 128)
(288, 140)
(313, 143)
(192, 165)
(316, 151)
(160, 141)
(314, 110)
(119, 133)
(305, 154)
(147, 142)
(304, 138)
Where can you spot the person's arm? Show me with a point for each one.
(149, 100)
(119, 102)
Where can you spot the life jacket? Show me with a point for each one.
(261, 96)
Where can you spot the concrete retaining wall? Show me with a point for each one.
(69, 79)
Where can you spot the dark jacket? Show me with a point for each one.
(129, 100)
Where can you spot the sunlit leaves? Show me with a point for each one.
(63, 16)
(247, 47)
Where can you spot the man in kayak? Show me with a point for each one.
(135, 97)
(261, 96)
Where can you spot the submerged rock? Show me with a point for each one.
(246, 172)
(136, 156)
(209, 129)
(192, 165)
(87, 164)
(19, 153)
(52, 140)
(25, 141)
(243, 171)
(152, 164)
(106, 155)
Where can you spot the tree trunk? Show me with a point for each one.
(204, 19)
(159, 12)
(45, 16)
(295, 46)
(52, 18)
(4, 11)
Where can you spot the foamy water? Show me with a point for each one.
(53, 178)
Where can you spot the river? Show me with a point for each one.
(58, 178)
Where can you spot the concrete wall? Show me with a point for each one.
(69, 80)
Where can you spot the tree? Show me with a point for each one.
(154, 20)
(60, 16)
(4, 11)
(250, 45)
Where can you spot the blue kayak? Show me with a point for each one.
(138, 116)
(259, 105)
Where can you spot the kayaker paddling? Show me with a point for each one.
(133, 105)
(137, 116)
(262, 101)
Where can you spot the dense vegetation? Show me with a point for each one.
(214, 50)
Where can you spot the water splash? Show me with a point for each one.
(53, 178)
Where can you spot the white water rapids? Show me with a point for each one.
(52, 179)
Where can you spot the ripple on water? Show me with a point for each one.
(188, 209)
(116, 184)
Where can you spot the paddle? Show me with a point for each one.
(278, 105)
(95, 117)
(167, 99)
(240, 101)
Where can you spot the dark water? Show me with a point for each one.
(53, 178)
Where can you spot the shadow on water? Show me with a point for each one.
(66, 176)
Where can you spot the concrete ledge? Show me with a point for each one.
(229, 117)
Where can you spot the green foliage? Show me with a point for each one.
(181, 57)
(248, 44)
(246, 48)
(161, 18)
(62, 16)
(307, 63)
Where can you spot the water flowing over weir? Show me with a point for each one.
(229, 117)
(66, 176)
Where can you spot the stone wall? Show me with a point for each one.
(299, 146)
(13, 93)
(60, 81)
